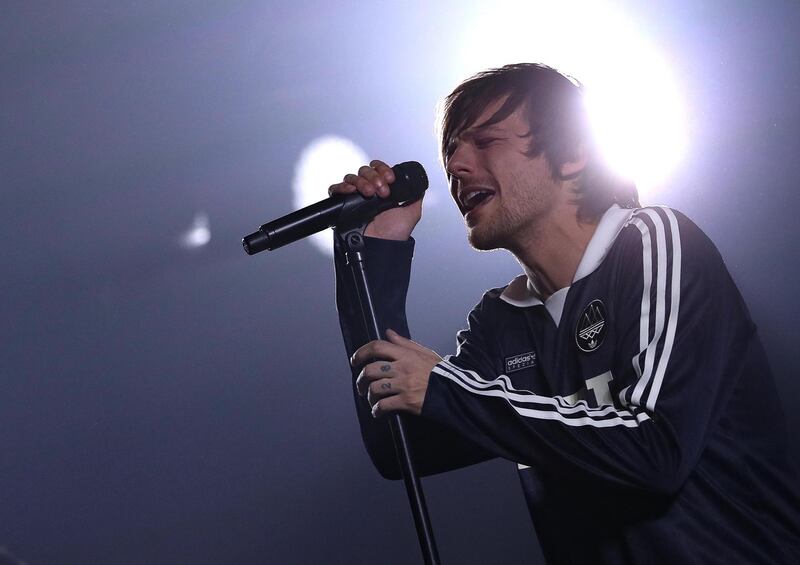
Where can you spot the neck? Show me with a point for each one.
(551, 249)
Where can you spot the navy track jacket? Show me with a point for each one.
(637, 403)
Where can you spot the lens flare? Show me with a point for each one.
(633, 101)
(199, 233)
(322, 163)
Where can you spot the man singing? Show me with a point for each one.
(621, 371)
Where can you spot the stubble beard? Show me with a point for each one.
(492, 233)
(507, 226)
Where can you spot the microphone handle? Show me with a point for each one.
(300, 223)
(342, 211)
(294, 226)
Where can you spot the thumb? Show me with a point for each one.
(398, 339)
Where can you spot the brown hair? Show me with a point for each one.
(559, 127)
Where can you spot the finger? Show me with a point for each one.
(372, 372)
(383, 169)
(375, 179)
(388, 405)
(341, 188)
(398, 339)
(365, 187)
(374, 351)
(380, 389)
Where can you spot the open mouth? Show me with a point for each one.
(474, 200)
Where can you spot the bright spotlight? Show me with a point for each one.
(322, 163)
(634, 103)
(198, 234)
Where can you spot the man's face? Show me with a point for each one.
(501, 192)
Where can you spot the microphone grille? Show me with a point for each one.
(411, 181)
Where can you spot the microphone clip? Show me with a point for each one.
(350, 242)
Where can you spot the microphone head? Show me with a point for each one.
(410, 182)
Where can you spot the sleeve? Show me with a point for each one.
(435, 447)
(681, 333)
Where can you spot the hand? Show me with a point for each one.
(395, 223)
(395, 374)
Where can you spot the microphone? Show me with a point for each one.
(340, 210)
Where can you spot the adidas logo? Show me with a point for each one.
(590, 333)
(521, 361)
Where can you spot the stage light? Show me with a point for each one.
(198, 234)
(322, 163)
(633, 100)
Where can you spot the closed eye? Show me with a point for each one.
(484, 142)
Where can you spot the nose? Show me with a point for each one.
(460, 163)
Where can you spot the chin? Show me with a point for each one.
(483, 241)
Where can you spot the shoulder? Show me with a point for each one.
(666, 252)
(660, 231)
(493, 306)
(664, 221)
(491, 299)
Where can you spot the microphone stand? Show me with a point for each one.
(352, 240)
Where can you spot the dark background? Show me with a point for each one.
(164, 405)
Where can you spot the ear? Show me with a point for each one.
(571, 169)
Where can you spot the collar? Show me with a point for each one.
(522, 292)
